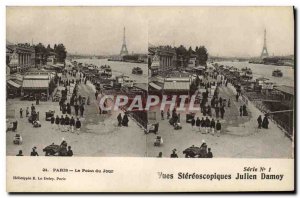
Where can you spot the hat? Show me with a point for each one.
(203, 141)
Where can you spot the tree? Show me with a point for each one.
(202, 55)
(61, 52)
(190, 51)
(41, 53)
(181, 53)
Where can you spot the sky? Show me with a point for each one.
(83, 30)
(224, 31)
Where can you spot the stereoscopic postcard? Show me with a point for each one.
(150, 99)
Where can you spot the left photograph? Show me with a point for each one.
(72, 77)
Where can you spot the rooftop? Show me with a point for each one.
(175, 85)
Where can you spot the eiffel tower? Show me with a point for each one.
(124, 50)
(264, 52)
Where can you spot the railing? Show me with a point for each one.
(283, 125)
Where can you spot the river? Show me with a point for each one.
(119, 68)
(258, 70)
(261, 70)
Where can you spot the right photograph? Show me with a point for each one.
(221, 82)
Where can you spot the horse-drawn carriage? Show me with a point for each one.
(173, 120)
(56, 150)
(18, 139)
(13, 125)
(152, 128)
(189, 117)
(195, 151)
(158, 141)
(49, 115)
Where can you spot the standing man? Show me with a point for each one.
(96, 95)
(241, 111)
(265, 123)
(212, 126)
(162, 114)
(76, 107)
(193, 123)
(168, 114)
(72, 123)
(57, 120)
(52, 121)
(27, 112)
(209, 153)
(222, 111)
(119, 119)
(21, 113)
(20, 153)
(198, 122)
(34, 153)
(174, 154)
(62, 123)
(81, 110)
(217, 109)
(259, 121)
(218, 128)
(67, 123)
(78, 126)
(32, 108)
(69, 152)
(207, 125)
(237, 97)
(203, 125)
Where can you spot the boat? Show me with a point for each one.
(108, 72)
(277, 73)
(137, 70)
(128, 82)
(246, 73)
(105, 67)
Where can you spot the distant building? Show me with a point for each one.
(192, 61)
(161, 58)
(19, 57)
(51, 60)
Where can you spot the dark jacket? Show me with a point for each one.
(78, 124)
(72, 122)
(202, 123)
(218, 126)
(209, 155)
(62, 121)
(52, 120)
(207, 122)
(212, 124)
(198, 122)
(193, 122)
(57, 120)
(70, 153)
(67, 121)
